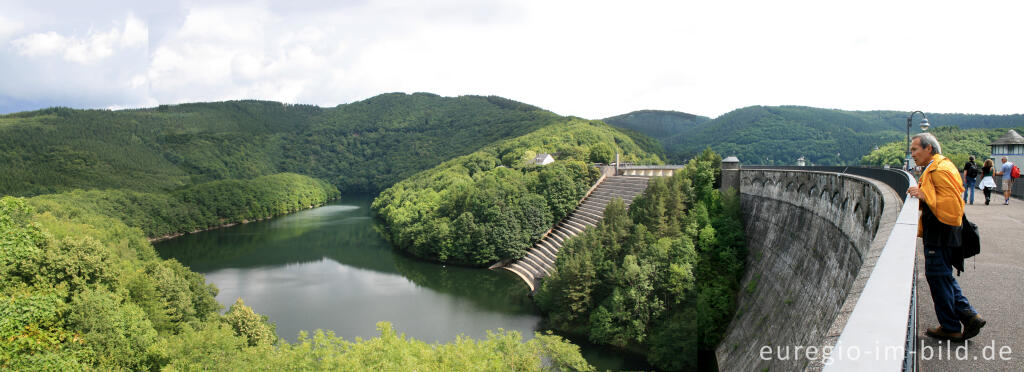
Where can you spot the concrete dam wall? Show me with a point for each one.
(812, 240)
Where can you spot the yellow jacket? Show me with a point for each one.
(943, 192)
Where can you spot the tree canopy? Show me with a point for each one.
(781, 134)
(80, 290)
(494, 204)
(359, 147)
(656, 123)
(81, 287)
(661, 277)
(957, 144)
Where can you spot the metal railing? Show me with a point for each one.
(910, 357)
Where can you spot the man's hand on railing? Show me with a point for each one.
(915, 192)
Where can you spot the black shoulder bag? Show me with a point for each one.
(970, 244)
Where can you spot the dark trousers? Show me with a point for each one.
(951, 307)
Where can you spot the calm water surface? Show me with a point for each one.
(329, 268)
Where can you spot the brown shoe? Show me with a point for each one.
(972, 326)
(941, 334)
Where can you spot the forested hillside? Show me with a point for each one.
(174, 169)
(196, 207)
(494, 204)
(359, 147)
(82, 288)
(781, 134)
(657, 123)
(660, 278)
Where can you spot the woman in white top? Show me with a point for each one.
(987, 183)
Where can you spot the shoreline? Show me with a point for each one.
(156, 239)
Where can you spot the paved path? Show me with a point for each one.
(994, 283)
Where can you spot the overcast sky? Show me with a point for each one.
(592, 59)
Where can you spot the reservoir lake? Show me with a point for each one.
(329, 268)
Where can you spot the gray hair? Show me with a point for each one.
(928, 139)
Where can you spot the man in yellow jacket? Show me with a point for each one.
(942, 208)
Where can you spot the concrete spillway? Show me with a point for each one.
(540, 259)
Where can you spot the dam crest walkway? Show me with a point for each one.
(994, 284)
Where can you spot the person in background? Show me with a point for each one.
(1007, 181)
(942, 211)
(987, 183)
(970, 177)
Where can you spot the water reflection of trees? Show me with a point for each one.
(497, 290)
(350, 238)
(346, 237)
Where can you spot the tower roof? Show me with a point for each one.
(1010, 138)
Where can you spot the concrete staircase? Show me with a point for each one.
(540, 259)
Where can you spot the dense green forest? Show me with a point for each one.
(358, 147)
(495, 203)
(195, 207)
(662, 277)
(82, 290)
(781, 134)
(957, 144)
(656, 123)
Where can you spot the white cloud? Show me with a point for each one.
(135, 33)
(89, 49)
(138, 81)
(586, 58)
(236, 25)
(96, 47)
(40, 44)
(49, 62)
(203, 58)
(319, 56)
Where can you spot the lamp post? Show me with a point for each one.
(924, 127)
